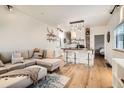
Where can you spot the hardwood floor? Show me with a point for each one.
(98, 76)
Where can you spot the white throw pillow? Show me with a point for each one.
(1, 64)
(16, 58)
(16, 54)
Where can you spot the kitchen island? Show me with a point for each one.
(78, 55)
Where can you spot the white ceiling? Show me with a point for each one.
(94, 15)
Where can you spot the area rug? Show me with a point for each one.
(52, 81)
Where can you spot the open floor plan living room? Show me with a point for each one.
(61, 46)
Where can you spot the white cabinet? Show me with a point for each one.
(117, 72)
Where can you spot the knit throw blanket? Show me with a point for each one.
(29, 72)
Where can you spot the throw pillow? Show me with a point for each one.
(50, 53)
(17, 60)
(36, 50)
(1, 64)
(16, 54)
(5, 57)
(16, 57)
(37, 55)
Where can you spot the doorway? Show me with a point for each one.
(99, 46)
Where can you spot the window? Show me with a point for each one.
(119, 36)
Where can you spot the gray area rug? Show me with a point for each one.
(52, 81)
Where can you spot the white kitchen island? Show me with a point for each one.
(75, 56)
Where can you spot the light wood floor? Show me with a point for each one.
(98, 76)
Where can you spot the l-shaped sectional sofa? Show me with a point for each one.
(45, 63)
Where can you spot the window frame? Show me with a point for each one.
(115, 37)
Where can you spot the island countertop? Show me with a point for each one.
(78, 49)
(74, 49)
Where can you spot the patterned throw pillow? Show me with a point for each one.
(1, 64)
(38, 55)
(36, 50)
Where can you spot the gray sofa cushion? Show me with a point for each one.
(25, 54)
(29, 62)
(30, 53)
(3, 70)
(10, 66)
(5, 57)
(44, 53)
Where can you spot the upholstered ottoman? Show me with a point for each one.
(50, 64)
(21, 81)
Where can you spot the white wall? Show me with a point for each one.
(114, 21)
(20, 31)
